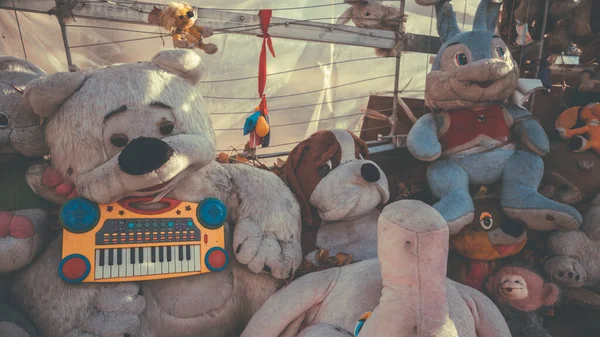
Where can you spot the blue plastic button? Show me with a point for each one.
(79, 215)
(170, 224)
(130, 225)
(212, 213)
(190, 223)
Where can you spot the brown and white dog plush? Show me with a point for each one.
(338, 190)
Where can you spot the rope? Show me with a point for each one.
(112, 28)
(20, 33)
(301, 93)
(120, 41)
(298, 141)
(297, 123)
(294, 70)
(294, 107)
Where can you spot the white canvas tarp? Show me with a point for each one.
(238, 57)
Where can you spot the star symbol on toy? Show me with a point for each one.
(109, 208)
(188, 208)
(121, 213)
(178, 212)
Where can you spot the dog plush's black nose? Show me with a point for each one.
(370, 173)
(513, 228)
(144, 155)
(190, 14)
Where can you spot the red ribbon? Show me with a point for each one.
(265, 19)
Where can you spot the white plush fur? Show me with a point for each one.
(406, 289)
(347, 205)
(263, 229)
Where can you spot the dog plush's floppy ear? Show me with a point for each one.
(361, 146)
(181, 62)
(46, 95)
(291, 179)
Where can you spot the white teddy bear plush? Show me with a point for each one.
(143, 130)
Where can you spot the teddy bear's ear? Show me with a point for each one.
(181, 62)
(550, 293)
(47, 94)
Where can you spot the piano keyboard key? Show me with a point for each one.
(106, 267)
(123, 262)
(197, 262)
(129, 266)
(98, 264)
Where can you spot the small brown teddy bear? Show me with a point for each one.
(179, 19)
(373, 14)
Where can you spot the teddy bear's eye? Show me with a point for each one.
(119, 140)
(324, 169)
(461, 59)
(561, 274)
(500, 52)
(367, 14)
(3, 121)
(166, 127)
(181, 17)
(486, 221)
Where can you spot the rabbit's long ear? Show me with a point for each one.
(447, 26)
(486, 17)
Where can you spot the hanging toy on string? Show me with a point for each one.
(257, 125)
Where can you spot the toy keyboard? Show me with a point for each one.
(119, 242)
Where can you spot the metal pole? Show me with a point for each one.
(397, 77)
(61, 11)
(541, 53)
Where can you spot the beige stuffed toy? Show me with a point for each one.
(179, 19)
(406, 290)
(143, 129)
(339, 190)
(373, 14)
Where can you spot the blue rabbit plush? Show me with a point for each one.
(474, 136)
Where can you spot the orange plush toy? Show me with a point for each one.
(590, 115)
(179, 19)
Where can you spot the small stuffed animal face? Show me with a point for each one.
(521, 288)
(590, 113)
(179, 15)
(492, 235)
(127, 130)
(513, 287)
(471, 68)
(566, 272)
(328, 172)
(21, 130)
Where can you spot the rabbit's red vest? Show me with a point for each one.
(466, 125)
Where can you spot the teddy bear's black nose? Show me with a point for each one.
(190, 14)
(144, 155)
(370, 173)
(513, 228)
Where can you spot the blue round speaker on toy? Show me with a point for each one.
(79, 215)
(212, 213)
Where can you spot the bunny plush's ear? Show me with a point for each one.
(447, 26)
(181, 62)
(486, 17)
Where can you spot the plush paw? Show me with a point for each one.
(20, 238)
(210, 48)
(566, 272)
(48, 183)
(562, 132)
(263, 251)
(207, 32)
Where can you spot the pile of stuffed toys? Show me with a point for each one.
(462, 266)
